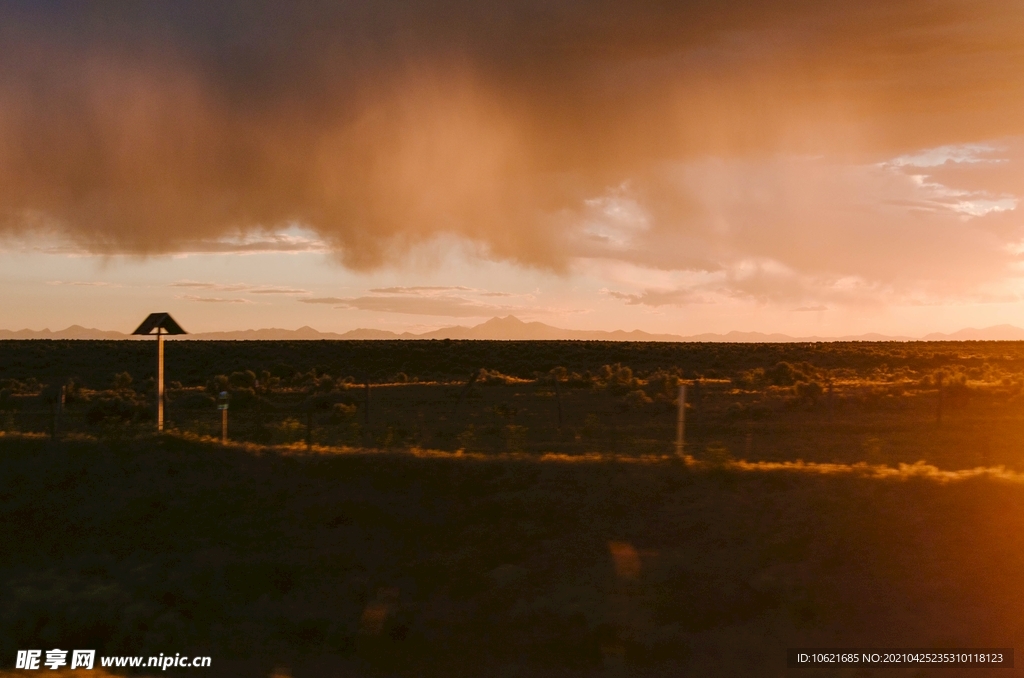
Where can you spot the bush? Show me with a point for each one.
(636, 400)
(663, 384)
(618, 378)
(122, 381)
(783, 374)
(751, 379)
(809, 391)
(193, 400)
(342, 413)
(243, 398)
(289, 431)
(218, 384)
(495, 378)
(245, 379)
(717, 455)
(116, 408)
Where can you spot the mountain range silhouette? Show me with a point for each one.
(511, 328)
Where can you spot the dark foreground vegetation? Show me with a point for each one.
(511, 508)
(403, 564)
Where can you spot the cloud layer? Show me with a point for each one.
(779, 151)
(447, 301)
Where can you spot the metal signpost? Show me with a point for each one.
(161, 323)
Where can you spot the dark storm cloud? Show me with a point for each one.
(142, 127)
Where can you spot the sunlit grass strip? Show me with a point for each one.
(902, 471)
(918, 469)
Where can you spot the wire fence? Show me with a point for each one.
(617, 414)
(517, 416)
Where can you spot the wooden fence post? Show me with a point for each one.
(831, 398)
(465, 391)
(222, 405)
(366, 408)
(681, 422)
(558, 400)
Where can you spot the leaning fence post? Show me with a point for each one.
(681, 421)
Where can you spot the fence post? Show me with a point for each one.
(222, 405)
(681, 421)
(831, 398)
(465, 390)
(366, 409)
(558, 400)
(59, 414)
(52, 398)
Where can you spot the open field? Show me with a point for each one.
(955, 405)
(459, 530)
(393, 563)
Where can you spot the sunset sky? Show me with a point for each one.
(790, 166)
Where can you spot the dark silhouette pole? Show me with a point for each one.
(163, 323)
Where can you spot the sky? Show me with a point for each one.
(822, 168)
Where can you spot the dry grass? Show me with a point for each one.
(344, 561)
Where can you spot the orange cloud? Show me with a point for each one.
(680, 136)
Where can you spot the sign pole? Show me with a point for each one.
(163, 323)
(159, 380)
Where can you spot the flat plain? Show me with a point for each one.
(511, 508)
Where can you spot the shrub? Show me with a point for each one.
(663, 384)
(751, 379)
(122, 381)
(618, 378)
(636, 400)
(495, 378)
(243, 398)
(116, 408)
(717, 455)
(289, 430)
(809, 391)
(194, 400)
(342, 413)
(218, 384)
(245, 379)
(783, 374)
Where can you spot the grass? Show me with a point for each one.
(431, 563)
(462, 532)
